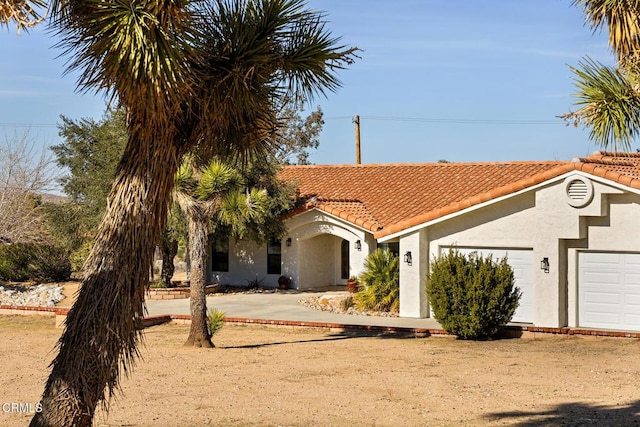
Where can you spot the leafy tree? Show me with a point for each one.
(379, 283)
(25, 175)
(184, 73)
(609, 96)
(90, 152)
(296, 136)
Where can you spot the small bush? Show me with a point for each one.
(80, 255)
(28, 261)
(215, 320)
(472, 297)
(346, 303)
(379, 283)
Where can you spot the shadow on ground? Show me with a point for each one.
(573, 414)
(345, 335)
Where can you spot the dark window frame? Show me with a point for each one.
(220, 254)
(274, 256)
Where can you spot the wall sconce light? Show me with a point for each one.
(407, 257)
(358, 245)
(544, 264)
(288, 241)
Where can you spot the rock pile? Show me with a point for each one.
(35, 296)
(342, 303)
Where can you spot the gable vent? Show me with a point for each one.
(579, 191)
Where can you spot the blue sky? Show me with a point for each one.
(462, 81)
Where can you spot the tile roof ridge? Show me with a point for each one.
(617, 154)
(602, 161)
(448, 164)
(341, 200)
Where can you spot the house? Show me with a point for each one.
(568, 228)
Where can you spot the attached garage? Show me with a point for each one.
(609, 290)
(521, 261)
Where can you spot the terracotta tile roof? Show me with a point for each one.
(388, 198)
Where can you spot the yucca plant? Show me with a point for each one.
(215, 320)
(379, 283)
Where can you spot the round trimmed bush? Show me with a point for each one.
(471, 296)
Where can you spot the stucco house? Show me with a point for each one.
(568, 228)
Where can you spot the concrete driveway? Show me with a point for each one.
(282, 305)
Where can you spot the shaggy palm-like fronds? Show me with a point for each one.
(138, 52)
(622, 19)
(610, 105)
(379, 283)
(24, 14)
(255, 53)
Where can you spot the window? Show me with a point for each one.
(220, 253)
(393, 247)
(344, 259)
(274, 256)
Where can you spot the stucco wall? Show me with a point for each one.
(247, 262)
(543, 221)
(311, 260)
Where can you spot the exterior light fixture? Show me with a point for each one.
(288, 241)
(407, 257)
(358, 245)
(544, 264)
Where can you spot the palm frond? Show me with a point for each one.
(610, 105)
(253, 54)
(215, 178)
(622, 19)
(137, 52)
(24, 14)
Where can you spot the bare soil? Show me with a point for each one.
(271, 376)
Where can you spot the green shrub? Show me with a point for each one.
(471, 296)
(80, 255)
(30, 261)
(379, 283)
(215, 320)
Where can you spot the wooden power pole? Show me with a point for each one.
(356, 120)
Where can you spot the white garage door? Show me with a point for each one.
(609, 290)
(521, 261)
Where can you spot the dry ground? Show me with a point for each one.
(308, 377)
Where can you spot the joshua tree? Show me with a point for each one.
(213, 193)
(184, 72)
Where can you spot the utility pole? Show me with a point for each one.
(356, 120)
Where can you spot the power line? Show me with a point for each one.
(454, 120)
(27, 125)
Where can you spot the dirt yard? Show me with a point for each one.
(307, 377)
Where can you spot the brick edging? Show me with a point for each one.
(28, 308)
(507, 331)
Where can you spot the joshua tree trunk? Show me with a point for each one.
(199, 335)
(169, 251)
(103, 327)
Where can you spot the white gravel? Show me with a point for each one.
(35, 296)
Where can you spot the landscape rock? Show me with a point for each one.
(35, 296)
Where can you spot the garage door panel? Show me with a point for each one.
(609, 290)
(633, 320)
(632, 300)
(521, 261)
(602, 278)
(602, 298)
